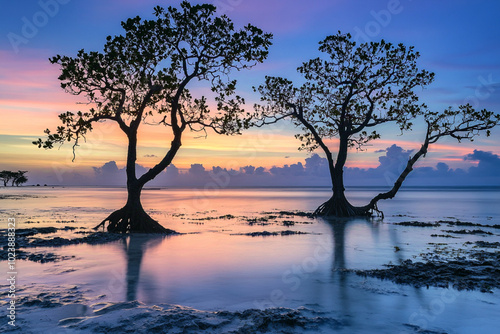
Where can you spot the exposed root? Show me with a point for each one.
(340, 207)
(374, 208)
(127, 220)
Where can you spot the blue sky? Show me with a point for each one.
(458, 40)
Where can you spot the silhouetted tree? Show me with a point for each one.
(6, 176)
(145, 73)
(15, 178)
(348, 94)
(19, 178)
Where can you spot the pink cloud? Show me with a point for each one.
(30, 78)
(30, 95)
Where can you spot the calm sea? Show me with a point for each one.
(212, 266)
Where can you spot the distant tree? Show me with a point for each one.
(6, 176)
(19, 178)
(350, 93)
(16, 178)
(145, 73)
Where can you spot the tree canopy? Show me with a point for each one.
(146, 71)
(348, 94)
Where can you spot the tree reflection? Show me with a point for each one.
(135, 246)
(349, 293)
(340, 274)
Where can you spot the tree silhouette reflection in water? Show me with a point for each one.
(340, 275)
(134, 247)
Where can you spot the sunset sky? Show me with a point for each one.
(459, 40)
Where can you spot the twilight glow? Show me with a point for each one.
(457, 40)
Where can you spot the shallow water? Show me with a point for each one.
(211, 267)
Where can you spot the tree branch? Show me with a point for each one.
(402, 177)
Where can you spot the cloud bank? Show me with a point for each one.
(314, 172)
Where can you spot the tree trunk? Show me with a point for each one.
(132, 217)
(338, 205)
